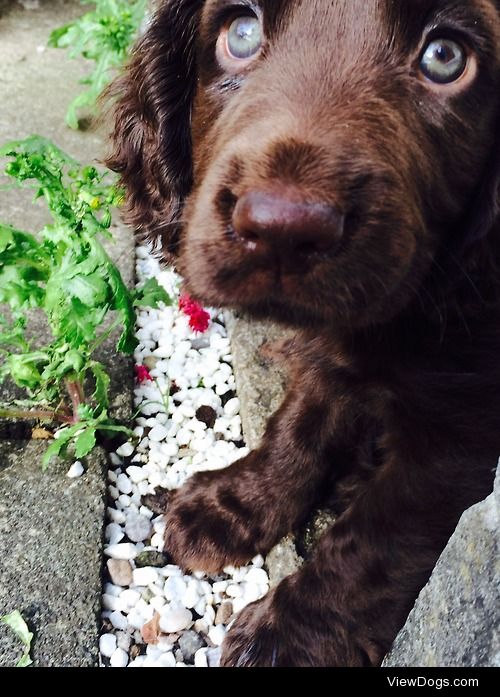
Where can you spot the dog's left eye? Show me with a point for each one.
(443, 61)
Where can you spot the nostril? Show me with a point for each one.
(248, 235)
(308, 248)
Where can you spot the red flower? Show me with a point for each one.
(142, 374)
(199, 319)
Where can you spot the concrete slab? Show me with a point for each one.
(51, 552)
(261, 385)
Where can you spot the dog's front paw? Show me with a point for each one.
(268, 633)
(207, 526)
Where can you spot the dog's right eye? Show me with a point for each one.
(240, 41)
(244, 37)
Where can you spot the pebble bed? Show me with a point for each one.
(188, 421)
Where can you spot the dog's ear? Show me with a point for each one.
(151, 136)
(485, 211)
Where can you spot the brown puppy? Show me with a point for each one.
(333, 164)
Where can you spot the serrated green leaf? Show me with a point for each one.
(85, 442)
(15, 621)
(59, 445)
(151, 294)
(85, 412)
(26, 369)
(90, 290)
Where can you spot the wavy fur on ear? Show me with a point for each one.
(152, 113)
(485, 212)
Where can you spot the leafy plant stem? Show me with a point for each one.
(76, 395)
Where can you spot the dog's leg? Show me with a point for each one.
(345, 606)
(228, 516)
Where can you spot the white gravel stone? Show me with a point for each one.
(125, 550)
(119, 659)
(107, 644)
(175, 587)
(251, 592)
(232, 407)
(124, 501)
(130, 597)
(200, 658)
(123, 484)
(200, 607)
(125, 450)
(220, 586)
(76, 470)
(144, 576)
(184, 436)
(234, 590)
(258, 576)
(175, 619)
(191, 597)
(118, 620)
(157, 540)
(217, 634)
(137, 662)
(209, 615)
(165, 660)
(136, 474)
(116, 516)
(158, 433)
(113, 603)
(144, 488)
(239, 604)
(113, 588)
(135, 620)
(113, 533)
(158, 602)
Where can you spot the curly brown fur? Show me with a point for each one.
(394, 402)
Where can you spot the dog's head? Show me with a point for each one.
(311, 159)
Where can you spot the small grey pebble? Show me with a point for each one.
(123, 640)
(213, 657)
(200, 343)
(189, 643)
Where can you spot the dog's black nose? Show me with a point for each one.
(283, 223)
